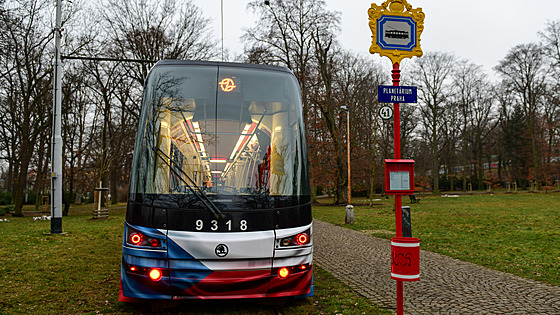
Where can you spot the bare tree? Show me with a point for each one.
(288, 33)
(355, 82)
(551, 41)
(432, 75)
(474, 100)
(154, 30)
(25, 73)
(77, 128)
(551, 44)
(523, 71)
(285, 32)
(515, 144)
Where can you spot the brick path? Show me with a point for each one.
(446, 286)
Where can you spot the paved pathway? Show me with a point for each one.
(446, 286)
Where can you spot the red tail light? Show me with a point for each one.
(302, 238)
(136, 238)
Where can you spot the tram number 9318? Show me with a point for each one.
(220, 226)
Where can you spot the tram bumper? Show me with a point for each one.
(136, 280)
(238, 265)
(198, 265)
(220, 265)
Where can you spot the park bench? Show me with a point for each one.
(413, 199)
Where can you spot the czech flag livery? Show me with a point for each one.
(216, 265)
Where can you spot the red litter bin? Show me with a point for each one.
(405, 258)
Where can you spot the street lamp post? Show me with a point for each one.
(349, 208)
(56, 159)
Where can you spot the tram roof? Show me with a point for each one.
(172, 62)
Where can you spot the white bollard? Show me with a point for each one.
(349, 214)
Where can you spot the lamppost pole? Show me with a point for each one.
(349, 208)
(348, 152)
(56, 149)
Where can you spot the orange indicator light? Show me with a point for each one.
(283, 273)
(155, 274)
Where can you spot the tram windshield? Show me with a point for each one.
(220, 130)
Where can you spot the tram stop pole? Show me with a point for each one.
(396, 74)
(396, 28)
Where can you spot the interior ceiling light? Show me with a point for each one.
(245, 135)
(217, 161)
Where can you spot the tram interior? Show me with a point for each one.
(233, 149)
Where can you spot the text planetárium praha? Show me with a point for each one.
(397, 90)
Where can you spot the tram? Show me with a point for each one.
(219, 204)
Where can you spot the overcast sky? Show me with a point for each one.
(482, 31)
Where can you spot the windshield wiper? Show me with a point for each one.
(192, 185)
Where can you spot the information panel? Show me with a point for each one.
(399, 177)
(399, 180)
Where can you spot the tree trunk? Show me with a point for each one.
(21, 185)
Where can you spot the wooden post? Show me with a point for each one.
(100, 212)
(45, 204)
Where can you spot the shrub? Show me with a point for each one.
(6, 209)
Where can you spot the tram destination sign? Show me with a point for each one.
(397, 94)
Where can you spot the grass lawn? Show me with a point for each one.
(515, 233)
(79, 272)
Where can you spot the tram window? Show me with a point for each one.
(246, 141)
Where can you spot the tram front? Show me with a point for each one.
(219, 202)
